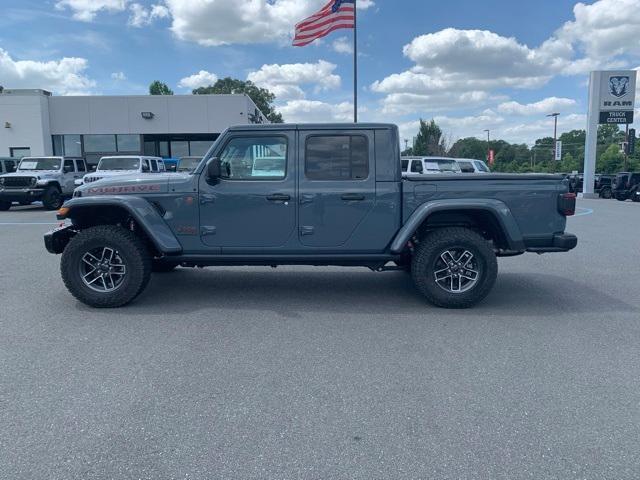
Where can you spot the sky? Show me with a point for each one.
(471, 65)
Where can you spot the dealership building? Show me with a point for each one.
(35, 123)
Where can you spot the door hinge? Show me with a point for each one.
(207, 231)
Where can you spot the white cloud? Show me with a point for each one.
(548, 105)
(526, 132)
(86, 10)
(602, 35)
(286, 81)
(65, 76)
(312, 111)
(343, 45)
(426, 105)
(118, 76)
(224, 22)
(604, 29)
(365, 4)
(200, 79)
(141, 16)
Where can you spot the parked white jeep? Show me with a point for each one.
(123, 165)
(50, 179)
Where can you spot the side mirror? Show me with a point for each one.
(213, 168)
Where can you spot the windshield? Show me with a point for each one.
(40, 164)
(188, 164)
(119, 163)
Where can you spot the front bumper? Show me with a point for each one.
(56, 240)
(560, 242)
(21, 194)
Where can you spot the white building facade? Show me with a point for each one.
(33, 122)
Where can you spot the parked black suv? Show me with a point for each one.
(627, 186)
(602, 184)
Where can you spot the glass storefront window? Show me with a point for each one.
(163, 148)
(72, 146)
(150, 148)
(58, 148)
(99, 143)
(198, 148)
(179, 149)
(128, 143)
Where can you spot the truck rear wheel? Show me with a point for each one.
(454, 267)
(105, 266)
(52, 198)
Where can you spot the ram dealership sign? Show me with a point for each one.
(612, 97)
(617, 97)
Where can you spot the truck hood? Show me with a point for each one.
(39, 174)
(136, 184)
(99, 175)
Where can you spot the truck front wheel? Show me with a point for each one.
(52, 198)
(454, 267)
(105, 266)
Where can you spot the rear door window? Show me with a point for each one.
(154, 165)
(417, 167)
(337, 157)
(80, 166)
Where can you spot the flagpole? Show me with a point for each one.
(355, 62)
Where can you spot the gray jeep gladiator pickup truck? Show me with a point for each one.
(308, 195)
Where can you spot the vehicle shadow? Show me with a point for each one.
(292, 292)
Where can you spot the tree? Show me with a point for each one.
(262, 97)
(611, 161)
(469, 148)
(430, 141)
(159, 88)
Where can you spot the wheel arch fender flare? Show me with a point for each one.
(143, 212)
(496, 208)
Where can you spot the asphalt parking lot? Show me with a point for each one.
(326, 373)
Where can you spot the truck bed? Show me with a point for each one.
(531, 199)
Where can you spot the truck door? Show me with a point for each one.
(337, 185)
(253, 204)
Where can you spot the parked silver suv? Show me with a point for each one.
(50, 179)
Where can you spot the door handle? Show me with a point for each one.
(352, 197)
(278, 197)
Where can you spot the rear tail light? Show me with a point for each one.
(567, 204)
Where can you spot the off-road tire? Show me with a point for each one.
(4, 206)
(635, 197)
(131, 248)
(606, 193)
(159, 266)
(427, 253)
(52, 198)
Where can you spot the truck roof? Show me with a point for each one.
(313, 126)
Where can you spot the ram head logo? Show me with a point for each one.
(618, 86)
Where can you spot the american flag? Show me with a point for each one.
(334, 15)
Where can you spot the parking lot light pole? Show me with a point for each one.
(488, 144)
(555, 134)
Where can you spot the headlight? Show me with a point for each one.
(34, 180)
(1, 181)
